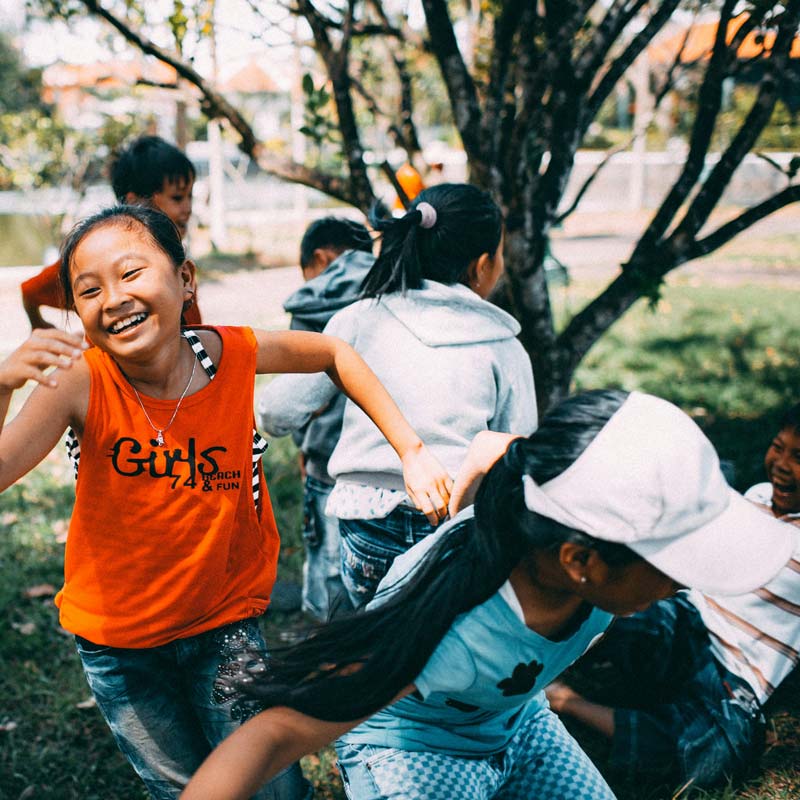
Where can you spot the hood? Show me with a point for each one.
(442, 314)
(315, 302)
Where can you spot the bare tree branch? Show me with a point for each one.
(708, 105)
(337, 63)
(760, 113)
(772, 162)
(619, 66)
(590, 180)
(459, 83)
(723, 234)
(410, 36)
(216, 106)
(617, 18)
(505, 28)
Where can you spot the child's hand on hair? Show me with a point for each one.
(427, 483)
(483, 451)
(32, 360)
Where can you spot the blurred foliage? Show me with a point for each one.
(36, 147)
(20, 86)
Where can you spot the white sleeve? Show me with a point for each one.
(516, 410)
(290, 401)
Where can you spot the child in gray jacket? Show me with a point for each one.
(450, 359)
(335, 257)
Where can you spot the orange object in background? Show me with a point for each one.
(411, 182)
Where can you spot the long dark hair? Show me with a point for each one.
(354, 666)
(468, 224)
(158, 226)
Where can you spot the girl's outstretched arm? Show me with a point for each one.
(483, 451)
(58, 401)
(427, 483)
(260, 749)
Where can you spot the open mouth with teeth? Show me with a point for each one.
(122, 325)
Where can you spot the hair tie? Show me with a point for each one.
(427, 215)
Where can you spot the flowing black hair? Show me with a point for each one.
(336, 232)
(158, 226)
(144, 165)
(468, 224)
(355, 665)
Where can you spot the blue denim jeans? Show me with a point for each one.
(686, 717)
(322, 578)
(163, 711)
(541, 761)
(370, 545)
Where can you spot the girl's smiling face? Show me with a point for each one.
(127, 292)
(782, 463)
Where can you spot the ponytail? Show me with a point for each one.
(353, 666)
(447, 227)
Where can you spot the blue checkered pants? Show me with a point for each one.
(542, 762)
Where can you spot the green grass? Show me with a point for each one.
(729, 356)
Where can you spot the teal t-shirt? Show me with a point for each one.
(484, 679)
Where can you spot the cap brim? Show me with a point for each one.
(741, 550)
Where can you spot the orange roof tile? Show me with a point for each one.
(251, 79)
(700, 43)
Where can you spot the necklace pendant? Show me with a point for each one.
(160, 438)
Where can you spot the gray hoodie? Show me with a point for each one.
(311, 307)
(450, 360)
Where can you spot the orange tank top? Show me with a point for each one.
(168, 542)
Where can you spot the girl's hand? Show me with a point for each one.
(46, 348)
(484, 450)
(427, 483)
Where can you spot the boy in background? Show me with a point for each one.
(695, 669)
(781, 493)
(335, 256)
(149, 171)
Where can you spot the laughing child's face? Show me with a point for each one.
(782, 463)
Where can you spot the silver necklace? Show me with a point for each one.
(159, 440)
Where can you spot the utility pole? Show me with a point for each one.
(216, 169)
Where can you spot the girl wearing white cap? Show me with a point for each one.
(436, 691)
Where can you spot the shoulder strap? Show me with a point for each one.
(202, 356)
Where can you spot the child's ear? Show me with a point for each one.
(582, 564)
(188, 275)
(477, 271)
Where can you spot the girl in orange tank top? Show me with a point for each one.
(172, 547)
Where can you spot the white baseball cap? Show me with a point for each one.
(651, 480)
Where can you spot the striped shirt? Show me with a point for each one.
(757, 635)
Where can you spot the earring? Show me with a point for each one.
(583, 579)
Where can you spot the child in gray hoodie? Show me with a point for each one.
(450, 359)
(335, 257)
